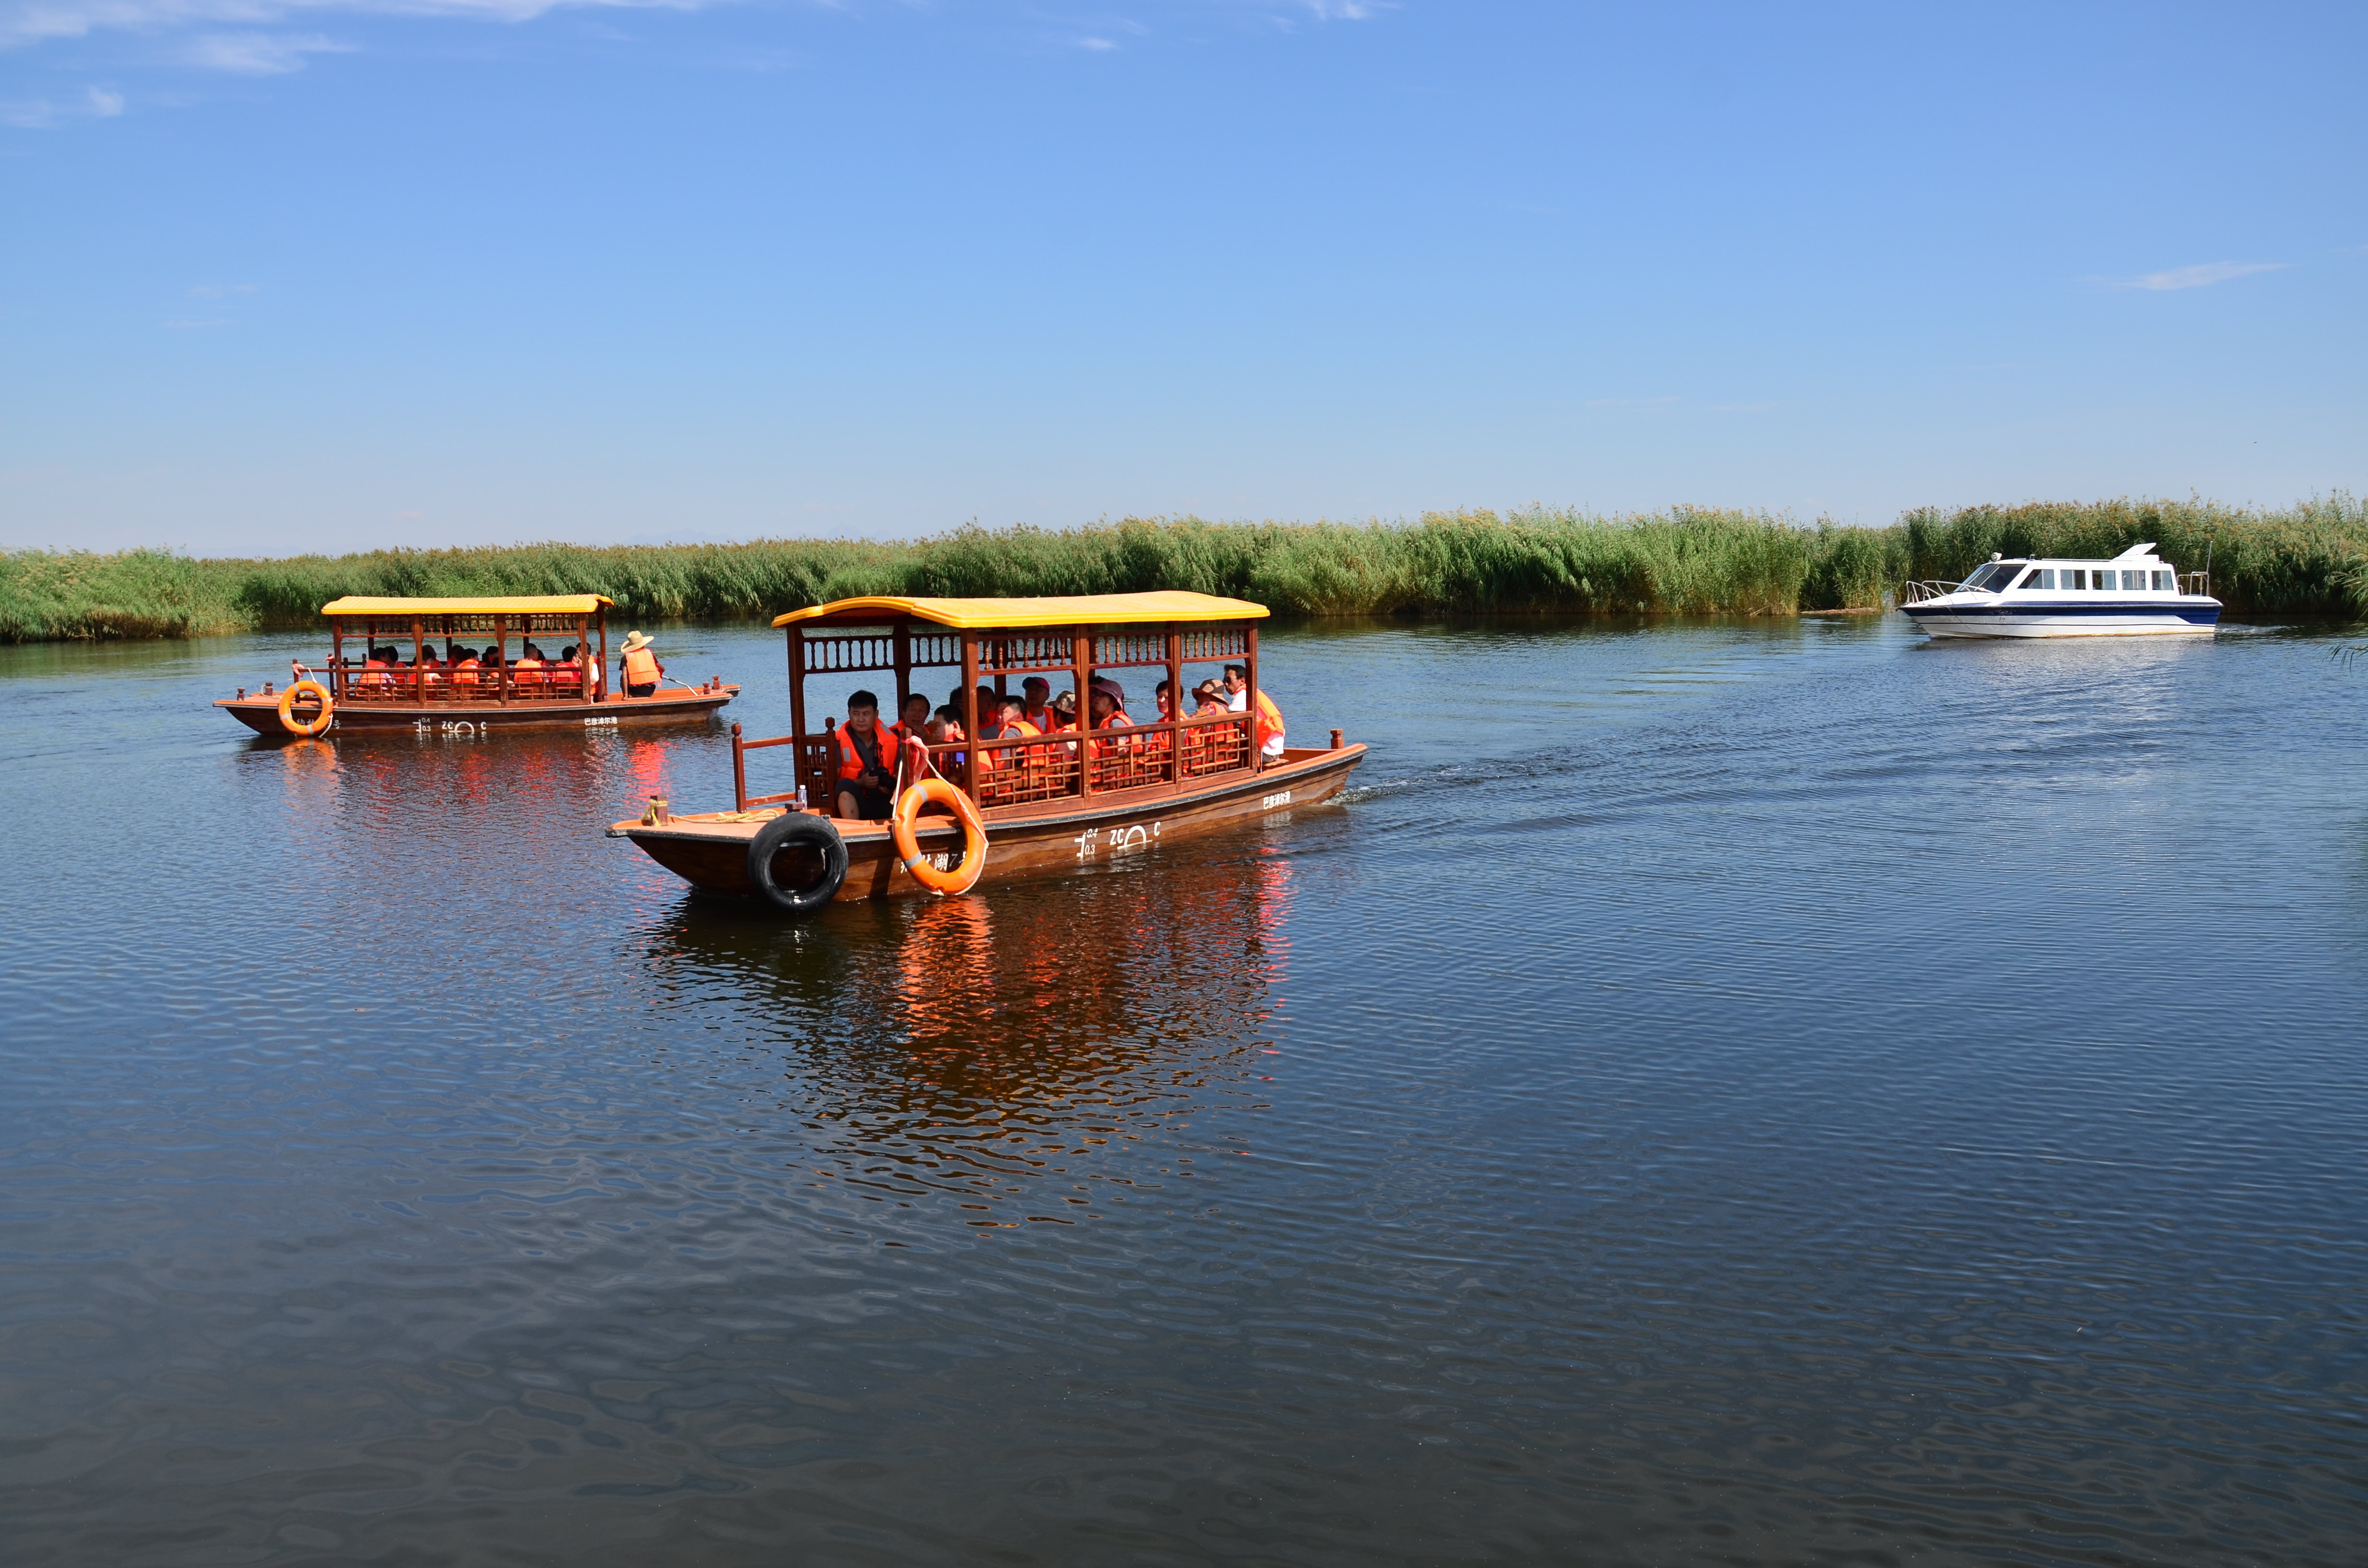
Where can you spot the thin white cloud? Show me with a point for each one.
(23, 22)
(259, 54)
(38, 114)
(1096, 44)
(1342, 10)
(220, 290)
(2198, 277)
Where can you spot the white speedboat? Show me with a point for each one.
(2134, 594)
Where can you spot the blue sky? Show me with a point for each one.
(279, 274)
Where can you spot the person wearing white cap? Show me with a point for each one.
(640, 667)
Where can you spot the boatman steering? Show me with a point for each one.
(639, 666)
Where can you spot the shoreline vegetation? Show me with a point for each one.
(2308, 561)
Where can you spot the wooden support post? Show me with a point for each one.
(584, 661)
(799, 771)
(337, 658)
(418, 675)
(1174, 707)
(501, 660)
(740, 770)
(902, 653)
(1081, 672)
(602, 615)
(1249, 661)
(970, 711)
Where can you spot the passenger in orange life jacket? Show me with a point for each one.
(1011, 723)
(1038, 707)
(867, 761)
(1239, 698)
(639, 669)
(576, 657)
(1163, 694)
(945, 730)
(1107, 701)
(990, 713)
(915, 721)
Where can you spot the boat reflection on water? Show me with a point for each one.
(1029, 1057)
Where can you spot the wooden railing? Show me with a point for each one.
(740, 749)
(1030, 769)
(487, 684)
(1014, 772)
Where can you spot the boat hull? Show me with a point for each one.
(674, 705)
(2156, 619)
(711, 853)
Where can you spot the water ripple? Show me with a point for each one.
(1730, 1092)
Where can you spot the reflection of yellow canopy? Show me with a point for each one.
(528, 604)
(1083, 610)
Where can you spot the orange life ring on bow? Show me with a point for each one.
(320, 722)
(963, 878)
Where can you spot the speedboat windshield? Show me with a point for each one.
(1992, 579)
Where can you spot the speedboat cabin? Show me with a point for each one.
(2134, 594)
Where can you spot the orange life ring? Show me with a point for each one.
(320, 722)
(963, 878)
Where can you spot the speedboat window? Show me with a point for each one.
(2076, 579)
(2133, 582)
(2162, 582)
(2035, 578)
(1991, 579)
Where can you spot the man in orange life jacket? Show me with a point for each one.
(1011, 723)
(914, 720)
(1038, 707)
(640, 667)
(867, 761)
(1240, 698)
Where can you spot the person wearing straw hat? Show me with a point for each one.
(639, 667)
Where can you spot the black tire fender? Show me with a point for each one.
(784, 831)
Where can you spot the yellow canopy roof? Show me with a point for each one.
(525, 604)
(1081, 610)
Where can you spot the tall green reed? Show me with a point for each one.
(2307, 561)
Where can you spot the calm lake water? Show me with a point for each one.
(1721, 1093)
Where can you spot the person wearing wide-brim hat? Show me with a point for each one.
(639, 667)
(1105, 701)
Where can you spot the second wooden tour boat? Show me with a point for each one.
(404, 682)
(1013, 805)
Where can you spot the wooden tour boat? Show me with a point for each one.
(1031, 804)
(466, 699)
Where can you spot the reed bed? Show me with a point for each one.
(2308, 561)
